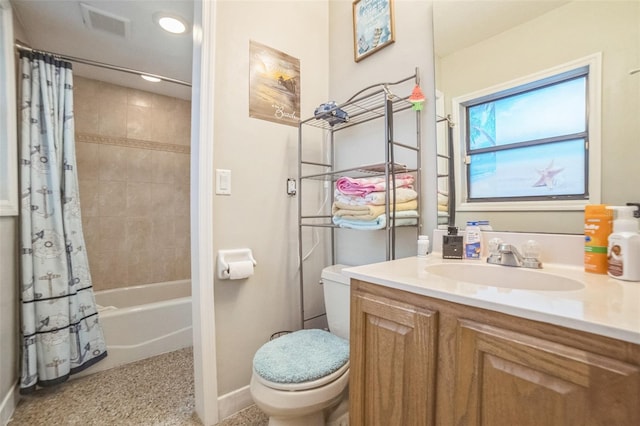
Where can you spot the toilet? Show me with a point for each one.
(301, 378)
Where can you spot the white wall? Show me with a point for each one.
(8, 315)
(9, 347)
(413, 48)
(570, 32)
(261, 155)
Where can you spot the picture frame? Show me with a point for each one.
(373, 27)
(274, 85)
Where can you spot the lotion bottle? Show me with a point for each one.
(472, 240)
(623, 252)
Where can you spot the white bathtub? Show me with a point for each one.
(142, 321)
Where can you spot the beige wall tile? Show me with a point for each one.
(139, 234)
(87, 160)
(109, 270)
(181, 200)
(84, 90)
(113, 123)
(112, 199)
(162, 167)
(182, 232)
(139, 98)
(112, 234)
(164, 103)
(112, 112)
(164, 265)
(139, 163)
(112, 162)
(139, 121)
(140, 265)
(91, 231)
(183, 264)
(162, 199)
(180, 165)
(89, 197)
(134, 201)
(85, 105)
(163, 125)
(139, 202)
(164, 231)
(183, 124)
(112, 94)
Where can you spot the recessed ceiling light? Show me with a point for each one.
(171, 23)
(150, 78)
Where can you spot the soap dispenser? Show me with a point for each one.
(623, 252)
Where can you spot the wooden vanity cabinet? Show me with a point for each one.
(416, 360)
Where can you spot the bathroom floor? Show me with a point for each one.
(154, 391)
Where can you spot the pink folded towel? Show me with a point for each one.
(364, 186)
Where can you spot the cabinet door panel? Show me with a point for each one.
(505, 377)
(392, 368)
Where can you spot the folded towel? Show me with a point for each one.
(364, 186)
(443, 199)
(368, 212)
(377, 198)
(442, 208)
(379, 222)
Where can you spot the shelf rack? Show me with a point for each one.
(372, 103)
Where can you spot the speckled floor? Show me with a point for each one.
(155, 391)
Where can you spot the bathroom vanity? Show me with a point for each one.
(430, 349)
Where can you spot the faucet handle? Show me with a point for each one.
(531, 249)
(531, 253)
(494, 243)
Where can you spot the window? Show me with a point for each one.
(529, 144)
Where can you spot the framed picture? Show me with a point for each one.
(274, 85)
(372, 27)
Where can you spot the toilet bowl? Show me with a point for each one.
(301, 378)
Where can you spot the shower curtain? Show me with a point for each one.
(61, 334)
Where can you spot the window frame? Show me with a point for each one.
(593, 151)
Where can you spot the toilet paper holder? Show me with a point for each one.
(225, 257)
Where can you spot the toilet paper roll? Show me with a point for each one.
(240, 269)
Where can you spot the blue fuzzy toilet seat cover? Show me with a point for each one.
(301, 356)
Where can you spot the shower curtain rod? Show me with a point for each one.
(20, 46)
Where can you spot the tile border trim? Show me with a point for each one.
(132, 143)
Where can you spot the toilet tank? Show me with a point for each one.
(336, 299)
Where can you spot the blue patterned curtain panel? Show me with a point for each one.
(61, 334)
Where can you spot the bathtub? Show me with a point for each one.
(142, 321)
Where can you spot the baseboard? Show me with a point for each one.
(232, 402)
(9, 404)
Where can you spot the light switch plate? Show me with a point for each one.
(223, 182)
(291, 186)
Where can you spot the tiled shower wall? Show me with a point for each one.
(133, 167)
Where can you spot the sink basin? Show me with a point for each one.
(505, 277)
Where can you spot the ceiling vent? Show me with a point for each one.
(96, 19)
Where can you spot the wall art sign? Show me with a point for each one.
(274, 85)
(372, 26)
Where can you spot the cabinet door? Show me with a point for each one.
(508, 378)
(393, 356)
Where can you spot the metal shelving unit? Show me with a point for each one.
(372, 103)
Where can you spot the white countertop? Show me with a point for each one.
(605, 306)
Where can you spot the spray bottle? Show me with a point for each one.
(623, 252)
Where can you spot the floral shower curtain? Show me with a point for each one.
(61, 334)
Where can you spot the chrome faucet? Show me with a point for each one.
(508, 255)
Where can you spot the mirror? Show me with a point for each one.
(479, 44)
